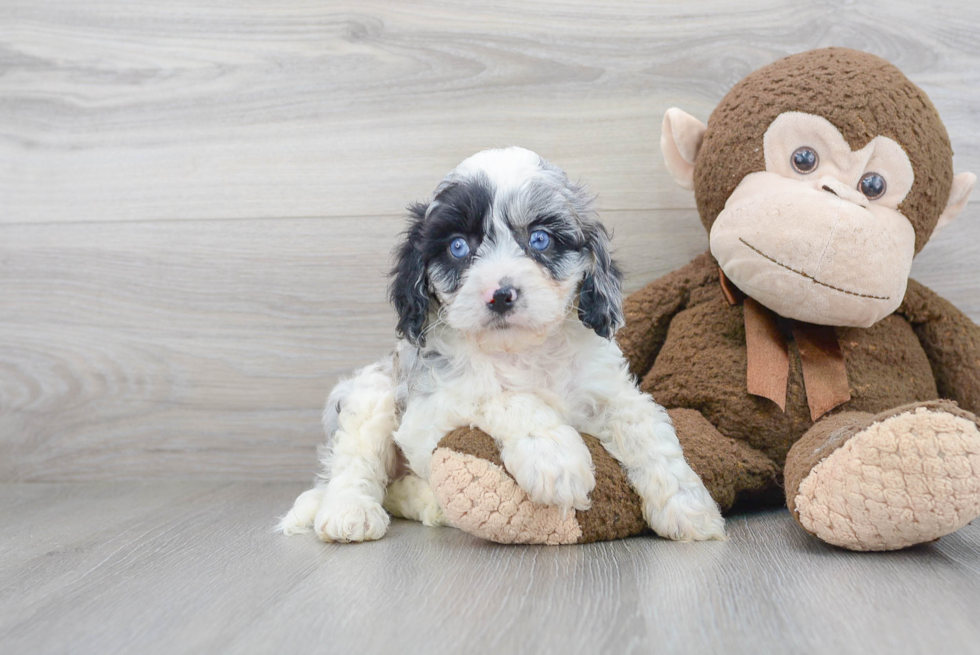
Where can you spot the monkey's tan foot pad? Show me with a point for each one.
(910, 477)
(478, 496)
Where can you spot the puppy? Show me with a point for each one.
(507, 302)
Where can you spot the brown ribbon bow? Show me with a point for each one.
(824, 372)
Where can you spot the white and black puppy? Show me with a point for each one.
(507, 302)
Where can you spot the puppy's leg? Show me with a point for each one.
(356, 465)
(299, 520)
(547, 458)
(412, 498)
(638, 432)
(426, 420)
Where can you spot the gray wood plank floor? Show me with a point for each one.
(193, 567)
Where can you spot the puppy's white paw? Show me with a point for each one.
(689, 515)
(432, 516)
(553, 468)
(430, 513)
(412, 498)
(299, 519)
(350, 517)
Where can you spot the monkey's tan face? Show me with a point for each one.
(817, 236)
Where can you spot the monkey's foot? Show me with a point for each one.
(478, 496)
(904, 477)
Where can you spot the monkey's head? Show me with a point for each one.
(818, 178)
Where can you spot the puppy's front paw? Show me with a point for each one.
(689, 515)
(300, 517)
(350, 517)
(553, 468)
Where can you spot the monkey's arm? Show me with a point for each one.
(951, 341)
(650, 310)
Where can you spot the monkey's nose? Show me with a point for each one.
(835, 187)
(503, 300)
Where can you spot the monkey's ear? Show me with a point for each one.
(680, 140)
(409, 289)
(959, 195)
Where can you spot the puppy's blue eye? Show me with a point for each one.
(459, 248)
(540, 240)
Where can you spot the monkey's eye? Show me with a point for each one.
(872, 185)
(804, 160)
(458, 248)
(540, 240)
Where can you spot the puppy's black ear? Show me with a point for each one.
(409, 289)
(600, 304)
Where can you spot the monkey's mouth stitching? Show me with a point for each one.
(810, 277)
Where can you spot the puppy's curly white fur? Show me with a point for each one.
(507, 301)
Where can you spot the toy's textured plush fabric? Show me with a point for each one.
(479, 496)
(893, 462)
(864, 96)
(699, 362)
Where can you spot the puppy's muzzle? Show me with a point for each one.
(503, 300)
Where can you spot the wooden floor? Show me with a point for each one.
(197, 203)
(193, 567)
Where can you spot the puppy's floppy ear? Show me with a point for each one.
(600, 304)
(409, 289)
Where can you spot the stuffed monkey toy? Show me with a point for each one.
(796, 357)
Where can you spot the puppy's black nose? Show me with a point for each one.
(503, 300)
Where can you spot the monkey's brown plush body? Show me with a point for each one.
(895, 485)
(796, 357)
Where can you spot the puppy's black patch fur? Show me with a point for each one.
(459, 210)
(600, 304)
(409, 289)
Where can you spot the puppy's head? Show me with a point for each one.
(503, 251)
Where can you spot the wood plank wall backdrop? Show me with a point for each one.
(198, 199)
